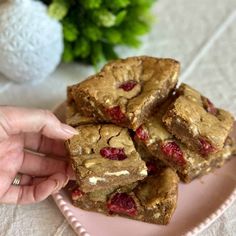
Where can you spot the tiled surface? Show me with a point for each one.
(201, 34)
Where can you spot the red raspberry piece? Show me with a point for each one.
(209, 106)
(112, 153)
(173, 152)
(122, 203)
(151, 167)
(116, 114)
(141, 133)
(129, 85)
(206, 148)
(76, 194)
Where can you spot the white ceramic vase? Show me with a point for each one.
(31, 43)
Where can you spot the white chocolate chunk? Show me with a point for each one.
(94, 180)
(118, 173)
(143, 172)
(157, 215)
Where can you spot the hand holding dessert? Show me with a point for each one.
(26, 134)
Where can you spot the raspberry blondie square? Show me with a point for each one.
(165, 147)
(126, 91)
(104, 156)
(152, 200)
(194, 120)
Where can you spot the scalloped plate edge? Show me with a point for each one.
(81, 231)
(65, 209)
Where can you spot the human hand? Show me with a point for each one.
(41, 132)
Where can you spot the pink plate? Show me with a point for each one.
(199, 204)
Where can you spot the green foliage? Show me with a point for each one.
(90, 4)
(70, 31)
(112, 36)
(82, 48)
(117, 4)
(92, 32)
(92, 28)
(58, 9)
(68, 55)
(103, 17)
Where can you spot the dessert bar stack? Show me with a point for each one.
(188, 134)
(138, 134)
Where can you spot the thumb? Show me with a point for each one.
(15, 120)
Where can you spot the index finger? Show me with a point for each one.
(15, 120)
(42, 144)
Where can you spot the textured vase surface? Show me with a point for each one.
(31, 43)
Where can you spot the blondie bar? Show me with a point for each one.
(194, 120)
(164, 146)
(152, 200)
(126, 91)
(104, 156)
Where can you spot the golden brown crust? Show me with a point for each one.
(94, 171)
(154, 79)
(73, 116)
(189, 121)
(155, 198)
(191, 164)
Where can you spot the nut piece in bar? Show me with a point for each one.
(152, 200)
(125, 91)
(104, 156)
(194, 120)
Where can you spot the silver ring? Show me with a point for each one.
(17, 179)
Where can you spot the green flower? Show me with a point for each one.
(82, 48)
(58, 9)
(103, 17)
(92, 32)
(70, 31)
(93, 28)
(91, 4)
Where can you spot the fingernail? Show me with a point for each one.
(68, 129)
(57, 184)
(67, 180)
(70, 172)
